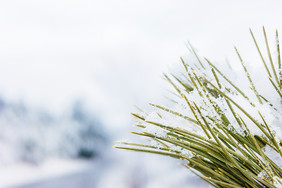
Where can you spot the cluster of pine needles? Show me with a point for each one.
(223, 157)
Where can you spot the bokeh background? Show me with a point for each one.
(71, 71)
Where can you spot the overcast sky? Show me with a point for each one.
(111, 53)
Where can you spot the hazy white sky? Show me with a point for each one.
(112, 52)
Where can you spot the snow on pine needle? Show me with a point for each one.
(225, 130)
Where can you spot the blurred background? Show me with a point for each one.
(71, 72)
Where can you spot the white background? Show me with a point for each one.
(111, 53)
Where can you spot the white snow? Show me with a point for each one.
(24, 173)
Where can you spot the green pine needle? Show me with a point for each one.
(215, 134)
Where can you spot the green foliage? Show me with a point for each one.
(222, 155)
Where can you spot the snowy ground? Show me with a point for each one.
(95, 174)
(20, 174)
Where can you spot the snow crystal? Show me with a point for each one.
(183, 151)
(155, 143)
(273, 155)
(186, 153)
(159, 132)
(262, 174)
